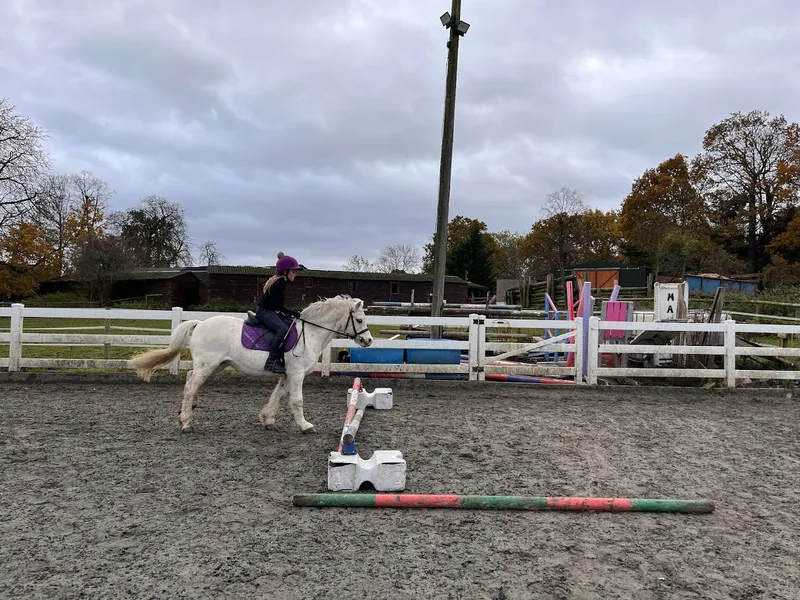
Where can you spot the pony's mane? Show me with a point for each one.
(324, 305)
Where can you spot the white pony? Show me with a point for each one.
(216, 343)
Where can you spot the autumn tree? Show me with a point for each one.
(155, 233)
(740, 164)
(661, 214)
(26, 258)
(784, 251)
(789, 167)
(71, 209)
(600, 235)
(92, 197)
(507, 256)
(569, 233)
(785, 248)
(23, 164)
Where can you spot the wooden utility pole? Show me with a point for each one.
(457, 28)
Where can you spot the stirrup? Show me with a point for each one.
(275, 365)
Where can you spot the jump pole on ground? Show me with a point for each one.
(537, 503)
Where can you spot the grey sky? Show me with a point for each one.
(315, 127)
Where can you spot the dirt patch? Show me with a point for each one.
(102, 495)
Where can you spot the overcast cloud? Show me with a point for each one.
(314, 127)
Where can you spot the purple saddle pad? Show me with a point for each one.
(259, 338)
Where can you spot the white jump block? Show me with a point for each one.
(379, 398)
(385, 470)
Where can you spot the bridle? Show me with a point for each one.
(350, 321)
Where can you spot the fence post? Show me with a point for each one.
(481, 347)
(177, 319)
(593, 344)
(474, 346)
(106, 345)
(578, 352)
(15, 344)
(730, 353)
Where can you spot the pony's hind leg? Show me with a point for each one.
(194, 380)
(270, 409)
(219, 369)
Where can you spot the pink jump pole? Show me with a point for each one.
(351, 410)
(571, 315)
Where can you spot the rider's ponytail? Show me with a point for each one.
(270, 281)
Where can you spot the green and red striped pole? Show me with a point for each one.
(504, 502)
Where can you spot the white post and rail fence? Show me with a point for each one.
(586, 345)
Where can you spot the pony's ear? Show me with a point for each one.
(359, 304)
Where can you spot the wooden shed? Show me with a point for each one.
(176, 287)
(603, 273)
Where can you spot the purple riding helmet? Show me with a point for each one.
(286, 263)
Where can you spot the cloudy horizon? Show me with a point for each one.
(315, 128)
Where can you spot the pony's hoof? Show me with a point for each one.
(310, 430)
(187, 428)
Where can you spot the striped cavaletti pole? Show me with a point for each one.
(349, 437)
(351, 412)
(504, 502)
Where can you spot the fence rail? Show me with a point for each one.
(588, 345)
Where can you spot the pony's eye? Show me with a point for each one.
(360, 320)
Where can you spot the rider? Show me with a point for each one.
(271, 306)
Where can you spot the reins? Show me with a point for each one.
(350, 320)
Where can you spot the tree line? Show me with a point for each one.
(61, 224)
(732, 209)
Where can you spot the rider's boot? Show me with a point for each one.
(275, 361)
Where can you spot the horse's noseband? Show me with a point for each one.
(351, 320)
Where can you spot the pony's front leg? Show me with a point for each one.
(295, 381)
(270, 409)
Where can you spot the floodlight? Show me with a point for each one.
(445, 19)
(462, 27)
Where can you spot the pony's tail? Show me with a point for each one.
(148, 362)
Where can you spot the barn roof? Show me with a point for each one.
(604, 264)
(350, 275)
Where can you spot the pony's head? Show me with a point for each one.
(344, 315)
(363, 336)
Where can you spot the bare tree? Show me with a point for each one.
(23, 163)
(358, 264)
(564, 201)
(99, 262)
(210, 254)
(71, 210)
(562, 211)
(399, 257)
(52, 214)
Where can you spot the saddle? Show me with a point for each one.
(257, 337)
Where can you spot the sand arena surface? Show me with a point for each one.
(102, 496)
